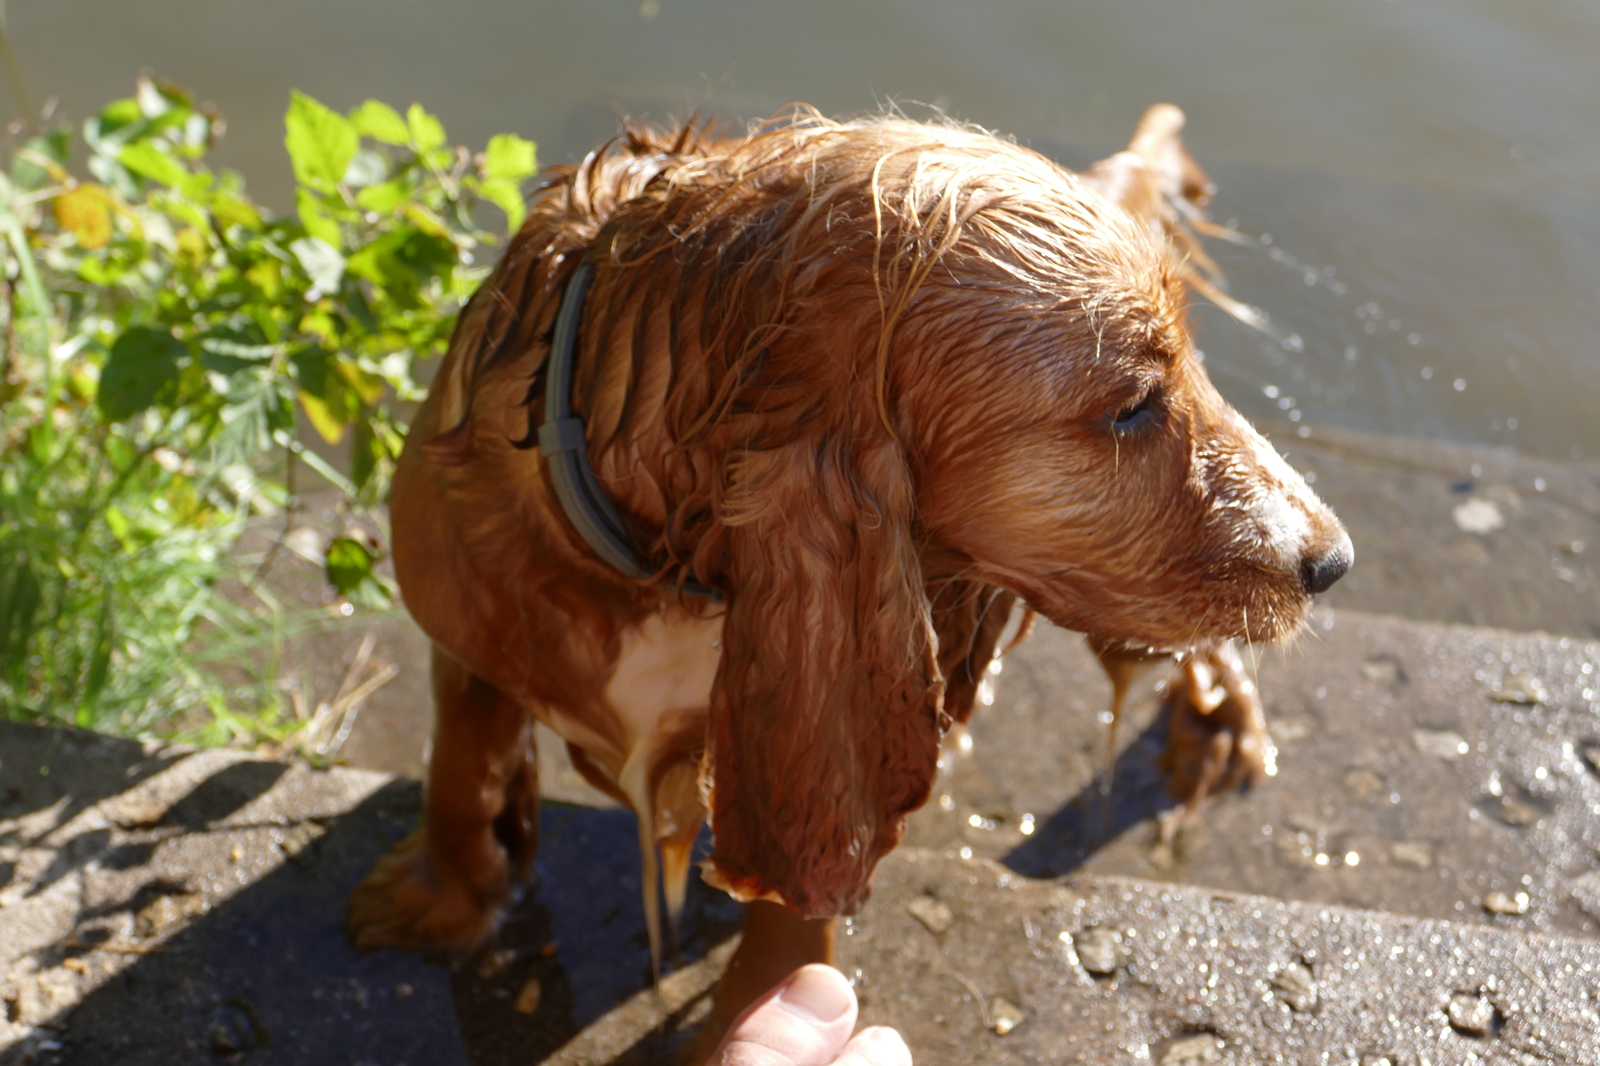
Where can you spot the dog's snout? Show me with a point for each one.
(1319, 572)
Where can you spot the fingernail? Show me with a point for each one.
(818, 994)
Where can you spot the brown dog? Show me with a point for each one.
(873, 381)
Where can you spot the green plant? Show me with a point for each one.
(163, 335)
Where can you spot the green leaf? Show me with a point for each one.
(384, 197)
(257, 404)
(323, 265)
(144, 362)
(55, 147)
(147, 160)
(381, 122)
(112, 127)
(402, 261)
(315, 219)
(507, 197)
(321, 142)
(427, 132)
(367, 167)
(313, 371)
(509, 157)
(349, 565)
(100, 658)
(156, 97)
(327, 421)
(20, 597)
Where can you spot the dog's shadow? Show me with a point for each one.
(264, 974)
(1099, 814)
(576, 947)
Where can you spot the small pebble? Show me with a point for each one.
(528, 999)
(1477, 515)
(1362, 784)
(294, 840)
(1591, 755)
(1381, 671)
(1412, 853)
(1100, 951)
(233, 1030)
(1196, 1050)
(1470, 1013)
(1498, 902)
(931, 913)
(1004, 1015)
(1440, 743)
(403, 990)
(1515, 812)
(165, 912)
(1521, 688)
(1585, 892)
(1295, 985)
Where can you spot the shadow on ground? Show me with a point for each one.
(123, 940)
(1099, 814)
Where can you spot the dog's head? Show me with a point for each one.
(901, 355)
(1071, 448)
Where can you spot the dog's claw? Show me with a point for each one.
(1217, 735)
(403, 904)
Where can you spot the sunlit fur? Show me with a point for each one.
(863, 376)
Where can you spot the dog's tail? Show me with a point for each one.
(1158, 182)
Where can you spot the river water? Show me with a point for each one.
(1421, 178)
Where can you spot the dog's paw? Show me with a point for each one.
(403, 903)
(1217, 735)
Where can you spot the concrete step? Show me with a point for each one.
(165, 906)
(977, 965)
(1455, 533)
(158, 905)
(1406, 781)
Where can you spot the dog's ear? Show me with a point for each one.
(826, 716)
(969, 618)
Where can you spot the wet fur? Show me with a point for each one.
(863, 377)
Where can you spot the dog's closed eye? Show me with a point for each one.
(1140, 414)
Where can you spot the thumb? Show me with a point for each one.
(804, 1022)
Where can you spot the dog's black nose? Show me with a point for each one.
(1319, 572)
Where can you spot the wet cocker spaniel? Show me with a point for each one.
(849, 392)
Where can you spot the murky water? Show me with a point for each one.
(1427, 172)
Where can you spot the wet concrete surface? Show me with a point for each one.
(161, 906)
(1105, 970)
(1406, 780)
(1449, 533)
(1439, 793)
(164, 906)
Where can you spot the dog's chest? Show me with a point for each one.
(658, 691)
(665, 669)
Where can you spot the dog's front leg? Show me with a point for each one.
(1216, 733)
(776, 942)
(440, 886)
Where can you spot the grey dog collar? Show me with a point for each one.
(564, 446)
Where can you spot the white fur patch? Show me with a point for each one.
(1279, 504)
